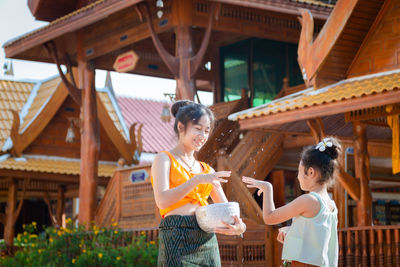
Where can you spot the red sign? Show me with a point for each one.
(126, 62)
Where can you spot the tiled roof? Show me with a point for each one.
(346, 89)
(156, 134)
(38, 98)
(13, 96)
(323, 3)
(49, 165)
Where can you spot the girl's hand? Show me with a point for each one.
(232, 229)
(282, 234)
(253, 183)
(214, 178)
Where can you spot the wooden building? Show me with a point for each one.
(40, 155)
(246, 53)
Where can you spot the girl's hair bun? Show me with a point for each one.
(335, 150)
(179, 104)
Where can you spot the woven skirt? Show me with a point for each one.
(183, 243)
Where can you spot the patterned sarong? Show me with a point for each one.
(183, 244)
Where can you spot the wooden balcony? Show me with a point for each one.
(369, 246)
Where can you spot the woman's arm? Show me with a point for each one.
(303, 205)
(217, 194)
(163, 195)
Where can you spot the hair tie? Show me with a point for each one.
(321, 146)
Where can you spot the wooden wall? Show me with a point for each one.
(380, 50)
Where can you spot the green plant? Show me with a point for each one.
(76, 246)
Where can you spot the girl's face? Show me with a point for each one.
(306, 179)
(196, 135)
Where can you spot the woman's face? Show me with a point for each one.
(196, 135)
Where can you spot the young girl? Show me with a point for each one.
(181, 184)
(312, 239)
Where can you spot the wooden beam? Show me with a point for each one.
(317, 129)
(73, 91)
(362, 172)
(118, 39)
(278, 181)
(243, 195)
(384, 98)
(90, 139)
(49, 177)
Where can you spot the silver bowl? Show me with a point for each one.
(209, 217)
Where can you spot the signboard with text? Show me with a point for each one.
(126, 61)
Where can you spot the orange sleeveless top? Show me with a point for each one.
(179, 175)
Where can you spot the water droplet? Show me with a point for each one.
(230, 131)
(222, 134)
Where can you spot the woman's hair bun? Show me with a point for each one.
(179, 104)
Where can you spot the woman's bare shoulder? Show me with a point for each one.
(161, 158)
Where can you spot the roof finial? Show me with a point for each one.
(8, 68)
(108, 81)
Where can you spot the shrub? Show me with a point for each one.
(75, 246)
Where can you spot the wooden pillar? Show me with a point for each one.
(90, 138)
(184, 48)
(60, 204)
(9, 228)
(339, 198)
(278, 181)
(216, 70)
(361, 160)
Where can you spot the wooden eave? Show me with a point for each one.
(282, 6)
(327, 58)
(49, 10)
(358, 93)
(77, 20)
(332, 108)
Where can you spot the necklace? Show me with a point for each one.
(190, 166)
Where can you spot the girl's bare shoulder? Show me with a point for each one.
(308, 199)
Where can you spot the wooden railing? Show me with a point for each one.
(369, 246)
(130, 204)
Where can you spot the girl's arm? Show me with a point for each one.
(305, 205)
(163, 195)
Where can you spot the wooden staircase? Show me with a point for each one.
(255, 156)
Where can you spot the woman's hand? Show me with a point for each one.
(253, 183)
(232, 229)
(282, 234)
(214, 178)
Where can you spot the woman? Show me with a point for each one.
(181, 184)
